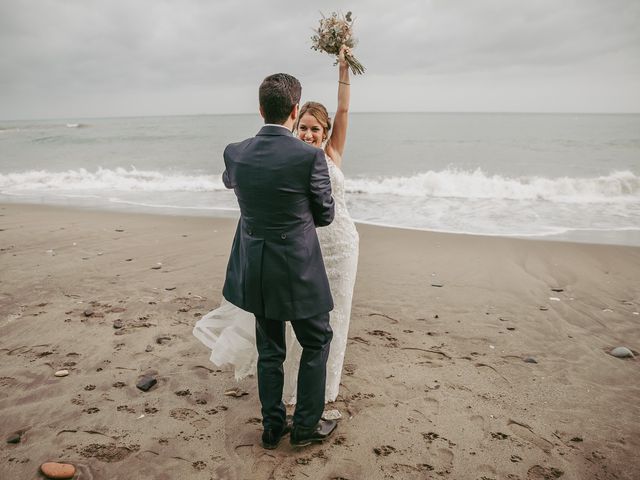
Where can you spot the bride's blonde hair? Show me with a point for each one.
(319, 112)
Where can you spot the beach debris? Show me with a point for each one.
(158, 266)
(61, 373)
(146, 382)
(57, 470)
(14, 438)
(557, 290)
(148, 348)
(543, 308)
(332, 414)
(554, 299)
(621, 352)
(529, 360)
(235, 392)
(117, 324)
(437, 285)
(88, 312)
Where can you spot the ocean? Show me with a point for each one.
(551, 176)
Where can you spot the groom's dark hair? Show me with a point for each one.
(278, 94)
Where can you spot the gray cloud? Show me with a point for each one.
(115, 57)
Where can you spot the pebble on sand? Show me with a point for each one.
(61, 373)
(529, 360)
(14, 438)
(117, 324)
(88, 312)
(146, 382)
(621, 352)
(57, 470)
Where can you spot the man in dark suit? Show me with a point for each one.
(275, 269)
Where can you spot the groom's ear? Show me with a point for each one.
(294, 112)
(261, 111)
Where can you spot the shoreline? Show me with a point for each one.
(569, 236)
(435, 383)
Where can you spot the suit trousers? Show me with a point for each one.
(314, 335)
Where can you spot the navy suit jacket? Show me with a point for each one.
(275, 268)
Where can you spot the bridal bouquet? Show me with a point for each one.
(334, 32)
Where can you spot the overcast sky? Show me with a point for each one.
(84, 58)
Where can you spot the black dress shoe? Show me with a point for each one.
(271, 438)
(301, 437)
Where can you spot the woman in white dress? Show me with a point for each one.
(230, 332)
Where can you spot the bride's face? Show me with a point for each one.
(310, 130)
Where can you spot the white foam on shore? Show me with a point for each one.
(617, 186)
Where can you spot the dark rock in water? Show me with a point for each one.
(117, 324)
(437, 285)
(88, 312)
(529, 360)
(621, 352)
(146, 382)
(557, 290)
(436, 316)
(14, 438)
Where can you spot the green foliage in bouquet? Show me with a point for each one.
(334, 32)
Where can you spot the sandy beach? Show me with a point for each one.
(435, 383)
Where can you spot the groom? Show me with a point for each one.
(275, 269)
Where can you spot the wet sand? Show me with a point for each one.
(435, 383)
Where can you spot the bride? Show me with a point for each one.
(230, 332)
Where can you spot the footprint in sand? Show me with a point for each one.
(538, 472)
(186, 414)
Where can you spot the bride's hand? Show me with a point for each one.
(344, 51)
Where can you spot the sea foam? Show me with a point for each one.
(617, 186)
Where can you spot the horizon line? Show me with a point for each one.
(432, 112)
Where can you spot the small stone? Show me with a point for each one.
(14, 438)
(332, 415)
(117, 324)
(157, 267)
(621, 352)
(557, 290)
(544, 309)
(146, 382)
(235, 392)
(88, 312)
(61, 373)
(436, 316)
(170, 288)
(529, 360)
(149, 348)
(437, 285)
(57, 470)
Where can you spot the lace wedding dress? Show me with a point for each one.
(230, 332)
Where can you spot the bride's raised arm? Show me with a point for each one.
(338, 139)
